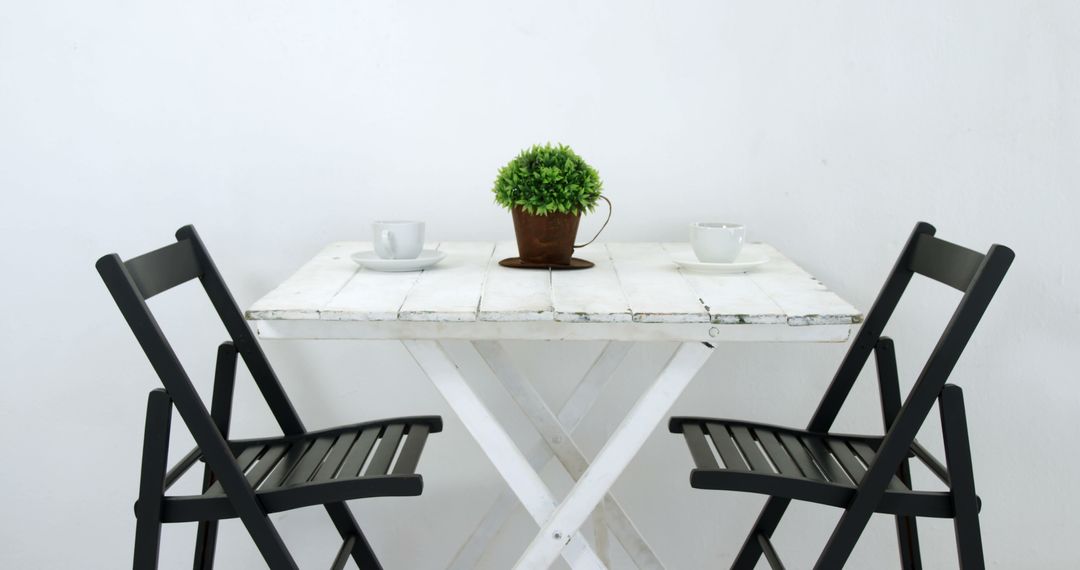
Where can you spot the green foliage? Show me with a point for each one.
(546, 179)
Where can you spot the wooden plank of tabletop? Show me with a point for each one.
(372, 295)
(730, 299)
(302, 295)
(805, 299)
(657, 293)
(589, 295)
(514, 294)
(451, 290)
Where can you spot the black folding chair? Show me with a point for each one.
(866, 474)
(254, 477)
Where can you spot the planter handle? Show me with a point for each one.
(609, 209)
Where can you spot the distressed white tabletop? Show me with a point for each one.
(635, 292)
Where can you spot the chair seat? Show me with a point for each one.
(371, 459)
(782, 462)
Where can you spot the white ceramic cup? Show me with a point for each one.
(398, 239)
(717, 242)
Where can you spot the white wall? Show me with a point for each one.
(828, 127)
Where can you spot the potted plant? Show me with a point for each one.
(546, 188)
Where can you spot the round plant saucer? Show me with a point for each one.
(517, 263)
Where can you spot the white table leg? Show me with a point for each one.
(573, 411)
(496, 443)
(561, 529)
(600, 530)
(559, 440)
(588, 390)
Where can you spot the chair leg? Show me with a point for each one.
(205, 543)
(155, 458)
(961, 478)
(907, 537)
(347, 527)
(844, 537)
(221, 413)
(206, 535)
(267, 539)
(907, 532)
(147, 543)
(766, 524)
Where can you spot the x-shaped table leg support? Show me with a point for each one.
(575, 408)
(559, 441)
(508, 460)
(559, 524)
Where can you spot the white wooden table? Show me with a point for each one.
(634, 294)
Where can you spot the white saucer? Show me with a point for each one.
(745, 262)
(369, 260)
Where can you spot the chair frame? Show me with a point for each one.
(131, 283)
(978, 277)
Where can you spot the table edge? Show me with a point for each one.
(548, 330)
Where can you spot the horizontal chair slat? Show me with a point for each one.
(867, 454)
(266, 463)
(336, 457)
(285, 467)
(410, 452)
(676, 425)
(312, 460)
(833, 472)
(699, 447)
(359, 452)
(750, 449)
(725, 447)
(434, 422)
(245, 460)
(801, 456)
(777, 453)
(945, 262)
(847, 459)
(164, 268)
(195, 507)
(388, 445)
(922, 503)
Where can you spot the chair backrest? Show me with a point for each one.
(134, 281)
(975, 274)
